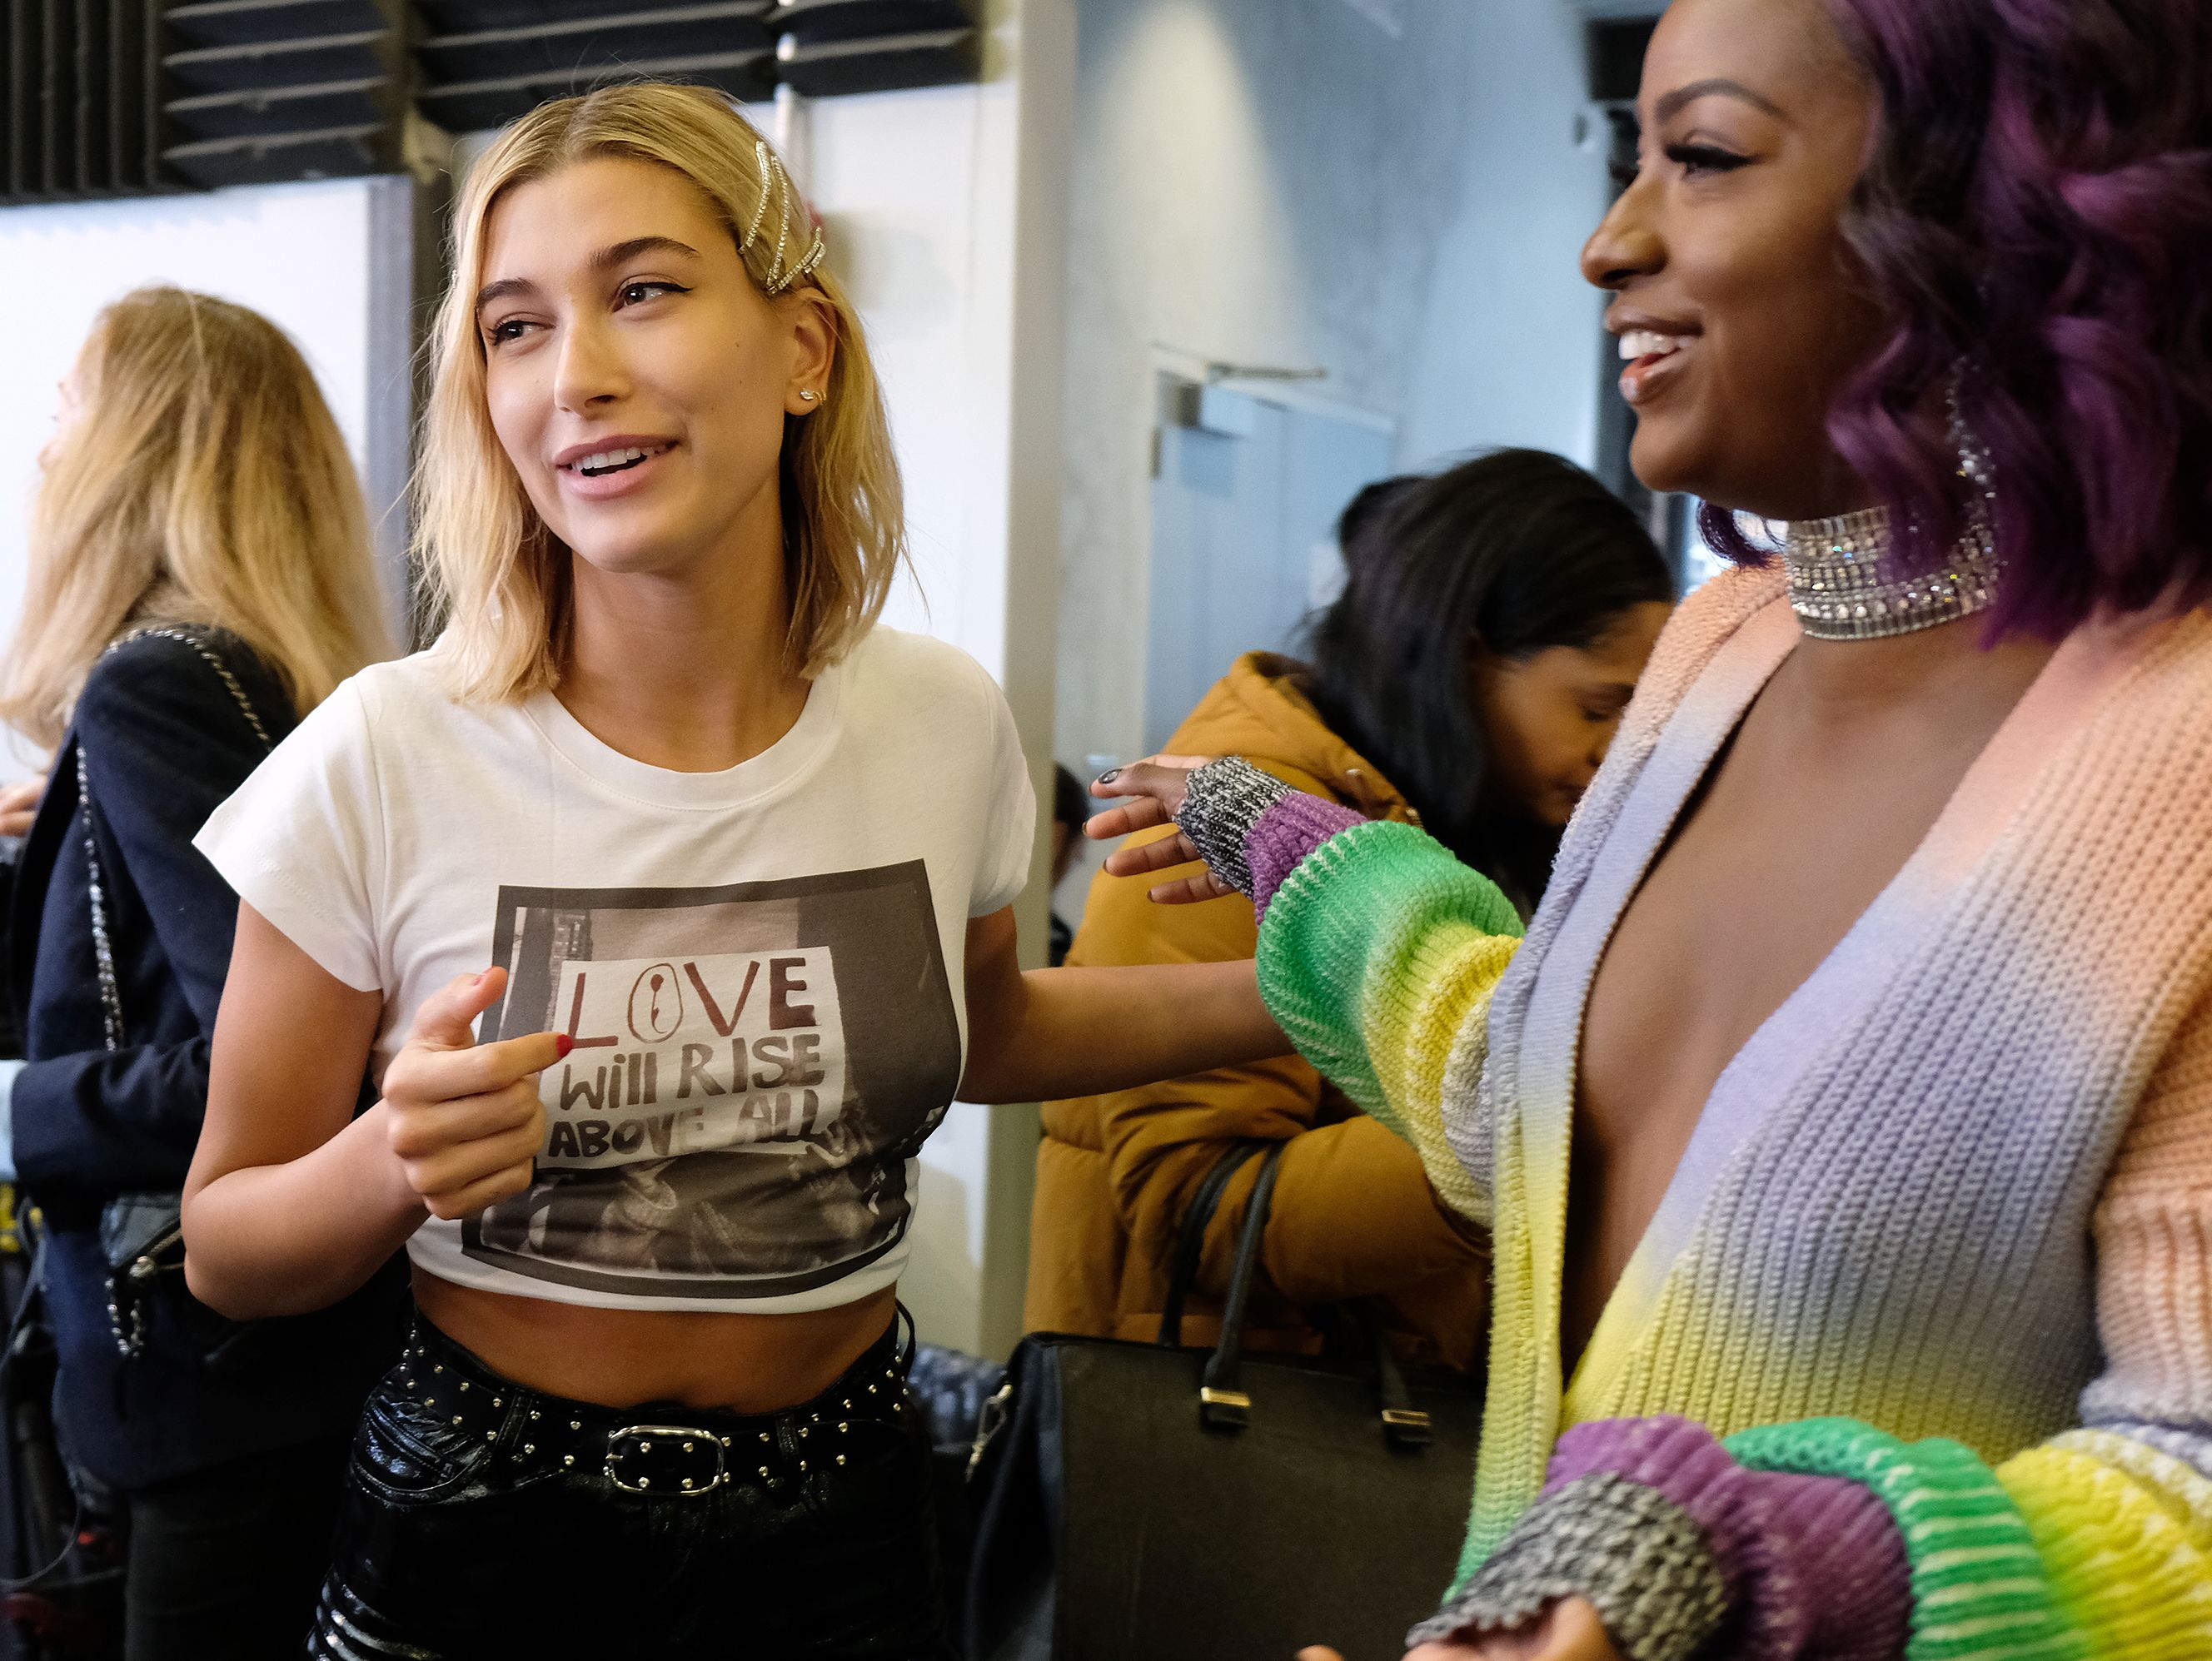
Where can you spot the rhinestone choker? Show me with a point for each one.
(1845, 584)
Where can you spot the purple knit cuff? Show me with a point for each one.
(1814, 1565)
(1286, 834)
(1843, 1546)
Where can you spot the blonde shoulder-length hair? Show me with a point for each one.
(492, 575)
(202, 480)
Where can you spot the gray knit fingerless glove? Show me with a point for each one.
(1642, 1561)
(1224, 801)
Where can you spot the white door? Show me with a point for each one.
(1244, 505)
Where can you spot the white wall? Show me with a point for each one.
(316, 259)
(1286, 184)
(1509, 348)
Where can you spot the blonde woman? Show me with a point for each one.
(200, 577)
(668, 896)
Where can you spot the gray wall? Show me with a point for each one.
(1283, 184)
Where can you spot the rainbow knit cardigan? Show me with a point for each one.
(1944, 1227)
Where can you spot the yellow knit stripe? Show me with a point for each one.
(1416, 1011)
(2184, 1491)
(2132, 1577)
(1419, 997)
(1520, 1416)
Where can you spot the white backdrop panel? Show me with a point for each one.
(300, 254)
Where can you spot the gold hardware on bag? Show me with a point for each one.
(996, 1411)
(1400, 1418)
(1208, 1397)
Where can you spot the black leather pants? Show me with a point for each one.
(481, 1520)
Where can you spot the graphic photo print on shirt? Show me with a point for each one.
(754, 1065)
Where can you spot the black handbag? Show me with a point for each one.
(142, 1236)
(1144, 1501)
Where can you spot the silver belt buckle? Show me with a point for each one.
(683, 1439)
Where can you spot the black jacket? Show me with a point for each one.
(164, 742)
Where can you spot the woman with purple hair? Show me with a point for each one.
(1844, 1122)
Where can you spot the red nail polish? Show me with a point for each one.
(561, 1044)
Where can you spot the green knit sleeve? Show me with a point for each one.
(1979, 1588)
(1378, 955)
(2094, 1544)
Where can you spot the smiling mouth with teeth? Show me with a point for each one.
(616, 460)
(1639, 344)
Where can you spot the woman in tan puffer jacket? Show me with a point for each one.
(1493, 623)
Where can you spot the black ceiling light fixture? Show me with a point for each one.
(482, 68)
(255, 90)
(122, 97)
(833, 46)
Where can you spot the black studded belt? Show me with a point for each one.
(656, 1449)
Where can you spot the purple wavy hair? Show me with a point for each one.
(2036, 215)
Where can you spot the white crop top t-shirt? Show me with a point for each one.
(762, 968)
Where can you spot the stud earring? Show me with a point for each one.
(809, 394)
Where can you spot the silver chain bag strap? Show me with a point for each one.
(142, 1235)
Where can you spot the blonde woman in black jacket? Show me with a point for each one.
(200, 578)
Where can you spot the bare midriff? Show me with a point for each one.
(746, 1363)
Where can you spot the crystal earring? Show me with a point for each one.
(1975, 466)
(809, 394)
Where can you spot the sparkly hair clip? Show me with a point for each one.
(775, 182)
(806, 264)
(770, 172)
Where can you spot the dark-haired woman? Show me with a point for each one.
(1845, 1123)
(1494, 619)
(1468, 679)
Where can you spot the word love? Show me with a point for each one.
(686, 1054)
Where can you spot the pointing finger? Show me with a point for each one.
(425, 1072)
